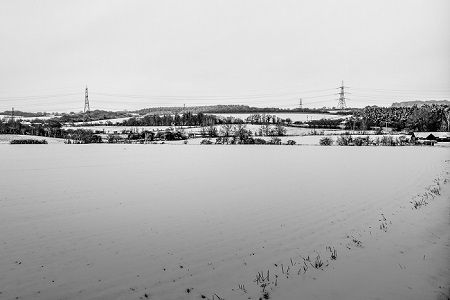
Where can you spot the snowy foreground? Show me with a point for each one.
(224, 222)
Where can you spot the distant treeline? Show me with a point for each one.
(186, 119)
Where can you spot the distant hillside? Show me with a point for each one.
(419, 103)
(206, 109)
(24, 114)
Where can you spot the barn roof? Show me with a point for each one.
(427, 135)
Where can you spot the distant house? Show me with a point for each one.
(431, 136)
(442, 136)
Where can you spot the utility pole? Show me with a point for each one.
(87, 110)
(341, 101)
(12, 120)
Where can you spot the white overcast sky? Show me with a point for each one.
(136, 54)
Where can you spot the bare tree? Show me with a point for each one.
(241, 132)
(226, 129)
(447, 117)
(264, 129)
(280, 129)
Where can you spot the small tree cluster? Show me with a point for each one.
(386, 140)
(239, 131)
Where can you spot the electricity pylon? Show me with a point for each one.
(341, 101)
(87, 110)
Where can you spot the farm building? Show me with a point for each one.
(431, 136)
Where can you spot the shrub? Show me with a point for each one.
(360, 141)
(387, 140)
(206, 142)
(249, 140)
(259, 141)
(326, 141)
(403, 140)
(28, 141)
(115, 138)
(344, 140)
(275, 141)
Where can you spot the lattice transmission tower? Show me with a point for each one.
(341, 100)
(87, 110)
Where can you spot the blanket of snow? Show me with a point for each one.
(201, 222)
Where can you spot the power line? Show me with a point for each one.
(282, 97)
(395, 90)
(19, 98)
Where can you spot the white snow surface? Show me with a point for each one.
(190, 221)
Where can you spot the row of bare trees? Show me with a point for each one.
(240, 130)
(348, 140)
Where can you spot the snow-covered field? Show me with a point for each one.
(235, 222)
(290, 131)
(293, 116)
